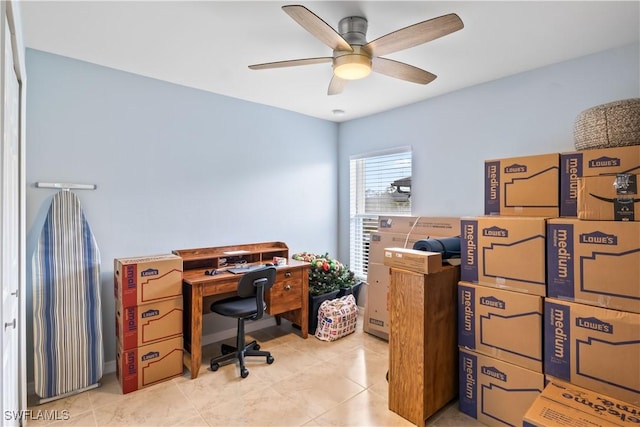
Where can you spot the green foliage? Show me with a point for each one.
(326, 274)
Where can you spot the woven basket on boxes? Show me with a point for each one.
(615, 124)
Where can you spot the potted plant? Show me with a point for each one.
(349, 284)
(327, 276)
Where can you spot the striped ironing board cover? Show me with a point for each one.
(67, 325)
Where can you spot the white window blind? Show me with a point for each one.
(380, 184)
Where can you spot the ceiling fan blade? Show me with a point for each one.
(402, 71)
(336, 86)
(415, 35)
(316, 26)
(291, 63)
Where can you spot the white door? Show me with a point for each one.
(9, 235)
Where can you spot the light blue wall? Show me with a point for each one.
(178, 167)
(452, 135)
(175, 168)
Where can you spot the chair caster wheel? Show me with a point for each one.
(244, 372)
(256, 347)
(214, 366)
(270, 360)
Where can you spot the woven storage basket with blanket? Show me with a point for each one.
(615, 124)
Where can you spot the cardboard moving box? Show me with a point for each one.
(139, 325)
(506, 252)
(142, 280)
(488, 317)
(379, 241)
(522, 186)
(150, 364)
(376, 313)
(604, 161)
(495, 392)
(562, 404)
(413, 260)
(423, 226)
(609, 198)
(594, 262)
(593, 347)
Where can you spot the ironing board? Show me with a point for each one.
(67, 325)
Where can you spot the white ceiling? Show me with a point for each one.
(209, 44)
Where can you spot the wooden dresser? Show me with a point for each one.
(423, 358)
(288, 298)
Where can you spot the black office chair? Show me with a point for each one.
(247, 305)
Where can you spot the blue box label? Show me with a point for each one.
(604, 162)
(599, 238)
(557, 340)
(469, 251)
(560, 265)
(594, 324)
(492, 184)
(515, 168)
(495, 231)
(495, 373)
(494, 302)
(152, 312)
(150, 272)
(468, 388)
(570, 171)
(466, 316)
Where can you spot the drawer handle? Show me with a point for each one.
(287, 287)
(287, 274)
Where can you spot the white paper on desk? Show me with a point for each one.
(236, 252)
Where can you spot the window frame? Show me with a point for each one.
(361, 221)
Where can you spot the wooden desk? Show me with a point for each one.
(288, 298)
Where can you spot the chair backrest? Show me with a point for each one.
(254, 283)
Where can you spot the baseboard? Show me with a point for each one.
(231, 333)
(110, 366)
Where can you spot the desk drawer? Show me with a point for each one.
(286, 293)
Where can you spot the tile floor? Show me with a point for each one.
(311, 383)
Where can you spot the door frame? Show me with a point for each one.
(12, 10)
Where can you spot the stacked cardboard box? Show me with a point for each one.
(584, 274)
(395, 232)
(563, 404)
(580, 165)
(592, 313)
(149, 320)
(522, 186)
(612, 198)
(502, 289)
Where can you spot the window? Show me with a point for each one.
(380, 184)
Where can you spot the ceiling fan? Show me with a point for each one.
(354, 58)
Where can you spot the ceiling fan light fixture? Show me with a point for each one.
(352, 66)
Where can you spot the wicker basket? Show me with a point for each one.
(615, 124)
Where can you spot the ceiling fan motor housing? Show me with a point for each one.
(355, 64)
(354, 30)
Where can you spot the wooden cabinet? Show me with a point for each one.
(286, 293)
(422, 342)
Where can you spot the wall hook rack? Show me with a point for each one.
(66, 186)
